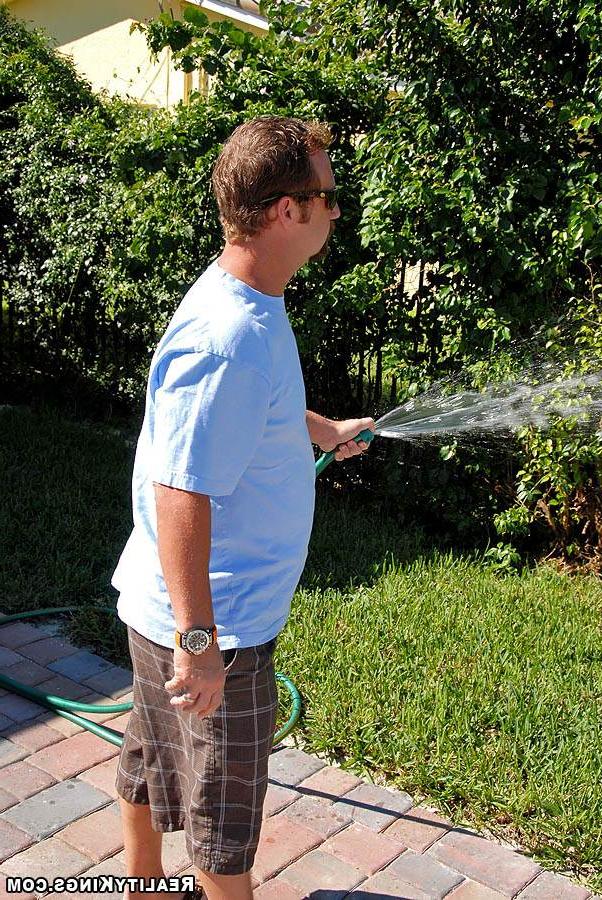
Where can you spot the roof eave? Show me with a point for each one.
(237, 13)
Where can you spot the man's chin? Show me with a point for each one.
(322, 253)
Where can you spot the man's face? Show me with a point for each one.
(321, 220)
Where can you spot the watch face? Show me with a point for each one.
(197, 641)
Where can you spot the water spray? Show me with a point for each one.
(497, 408)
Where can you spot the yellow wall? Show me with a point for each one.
(97, 36)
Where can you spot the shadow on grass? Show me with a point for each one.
(354, 539)
(65, 511)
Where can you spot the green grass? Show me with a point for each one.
(479, 693)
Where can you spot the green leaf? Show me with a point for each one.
(210, 65)
(194, 16)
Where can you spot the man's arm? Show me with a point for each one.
(184, 544)
(329, 433)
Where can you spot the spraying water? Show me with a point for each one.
(497, 408)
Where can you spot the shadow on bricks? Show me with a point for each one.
(350, 801)
(358, 894)
(316, 794)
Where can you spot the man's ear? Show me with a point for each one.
(280, 210)
(285, 208)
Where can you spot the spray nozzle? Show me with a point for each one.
(326, 458)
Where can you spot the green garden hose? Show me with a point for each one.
(69, 709)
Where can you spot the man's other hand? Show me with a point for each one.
(198, 681)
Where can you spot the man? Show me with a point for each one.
(223, 495)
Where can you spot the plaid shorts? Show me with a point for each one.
(207, 776)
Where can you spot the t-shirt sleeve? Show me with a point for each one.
(210, 414)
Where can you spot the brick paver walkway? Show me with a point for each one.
(327, 834)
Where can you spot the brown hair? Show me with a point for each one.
(263, 157)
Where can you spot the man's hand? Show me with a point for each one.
(198, 681)
(345, 431)
(329, 434)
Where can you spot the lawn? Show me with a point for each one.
(481, 693)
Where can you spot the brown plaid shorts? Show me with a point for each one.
(207, 776)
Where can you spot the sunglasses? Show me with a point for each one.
(329, 195)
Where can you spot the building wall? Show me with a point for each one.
(97, 37)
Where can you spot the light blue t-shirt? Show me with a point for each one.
(225, 416)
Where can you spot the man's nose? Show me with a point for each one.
(336, 212)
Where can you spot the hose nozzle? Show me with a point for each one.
(327, 458)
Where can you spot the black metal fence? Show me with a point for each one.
(80, 336)
(83, 341)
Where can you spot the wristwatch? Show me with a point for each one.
(196, 640)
